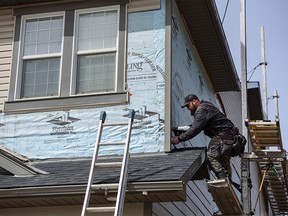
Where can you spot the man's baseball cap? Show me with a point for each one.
(188, 99)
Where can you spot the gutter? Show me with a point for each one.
(134, 187)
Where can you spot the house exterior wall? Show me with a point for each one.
(72, 132)
(188, 76)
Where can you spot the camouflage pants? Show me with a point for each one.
(218, 162)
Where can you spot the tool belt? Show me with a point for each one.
(229, 134)
(233, 143)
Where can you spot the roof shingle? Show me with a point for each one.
(173, 166)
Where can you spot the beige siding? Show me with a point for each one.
(6, 43)
(143, 5)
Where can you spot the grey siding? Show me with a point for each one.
(6, 43)
(232, 107)
(198, 202)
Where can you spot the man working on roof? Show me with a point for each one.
(224, 135)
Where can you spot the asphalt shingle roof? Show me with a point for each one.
(171, 166)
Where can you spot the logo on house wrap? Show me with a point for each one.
(1, 125)
(63, 124)
(135, 67)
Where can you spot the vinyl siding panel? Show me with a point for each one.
(6, 46)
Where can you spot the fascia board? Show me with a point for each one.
(164, 186)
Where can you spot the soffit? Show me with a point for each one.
(204, 25)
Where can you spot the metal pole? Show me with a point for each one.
(264, 84)
(243, 64)
(245, 167)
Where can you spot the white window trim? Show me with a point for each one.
(76, 53)
(21, 57)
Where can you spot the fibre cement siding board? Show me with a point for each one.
(198, 202)
(233, 109)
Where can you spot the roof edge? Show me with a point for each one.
(141, 187)
(211, 5)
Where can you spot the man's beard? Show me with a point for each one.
(193, 110)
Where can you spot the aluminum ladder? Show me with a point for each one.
(118, 208)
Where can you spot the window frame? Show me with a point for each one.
(67, 97)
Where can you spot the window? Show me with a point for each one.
(68, 58)
(96, 51)
(42, 42)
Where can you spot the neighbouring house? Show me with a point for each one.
(62, 62)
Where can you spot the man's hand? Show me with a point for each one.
(175, 140)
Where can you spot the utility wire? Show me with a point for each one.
(225, 12)
(253, 70)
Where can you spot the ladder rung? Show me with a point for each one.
(268, 151)
(262, 123)
(112, 143)
(116, 124)
(110, 164)
(101, 209)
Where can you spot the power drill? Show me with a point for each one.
(180, 129)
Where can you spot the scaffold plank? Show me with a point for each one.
(225, 197)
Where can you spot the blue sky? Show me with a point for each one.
(272, 14)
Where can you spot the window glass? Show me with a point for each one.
(97, 30)
(43, 36)
(96, 73)
(40, 78)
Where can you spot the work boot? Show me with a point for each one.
(221, 175)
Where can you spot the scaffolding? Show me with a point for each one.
(270, 156)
